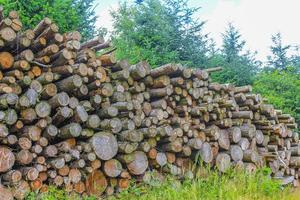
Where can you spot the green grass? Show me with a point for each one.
(231, 186)
(56, 194)
(234, 185)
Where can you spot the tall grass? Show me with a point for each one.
(234, 185)
(56, 194)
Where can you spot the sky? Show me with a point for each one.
(257, 20)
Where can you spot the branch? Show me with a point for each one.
(40, 64)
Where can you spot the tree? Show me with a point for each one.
(193, 45)
(279, 59)
(67, 14)
(233, 45)
(160, 31)
(295, 59)
(281, 88)
(87, 18)
(239, 66)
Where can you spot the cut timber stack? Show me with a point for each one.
(90, 124)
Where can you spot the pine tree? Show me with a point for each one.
(192, 45)
(239, 65)
(279, 59)
(295, 59)
(160, 31)
(233, 45)
(87, 17)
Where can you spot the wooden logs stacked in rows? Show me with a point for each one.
(48, 112)
(89, 123)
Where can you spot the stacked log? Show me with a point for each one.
(89, 124)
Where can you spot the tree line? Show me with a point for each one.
(164, 31)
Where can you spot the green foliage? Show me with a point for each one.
(230, 186)
(279, 59)
(235, 184)
(163, 31)
(238, 67)
(281, 88)
(56, 194)
(68, 14)
(233, 44)
(159, 31)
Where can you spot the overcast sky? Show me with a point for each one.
(257, 20)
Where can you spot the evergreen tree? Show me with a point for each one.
(67, 14)
(160, 31)
(279, 59)
(192, 45)
(239, 66)
(233, 45)
(87, 18)
(295, 60)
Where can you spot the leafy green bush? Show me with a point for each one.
(281, 88)
(68, 14)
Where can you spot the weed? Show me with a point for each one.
(211, 185)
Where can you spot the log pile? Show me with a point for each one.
(90, 124)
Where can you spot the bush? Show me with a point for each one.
(80, 14)
(281, 88)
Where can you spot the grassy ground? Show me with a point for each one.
(232, 186)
